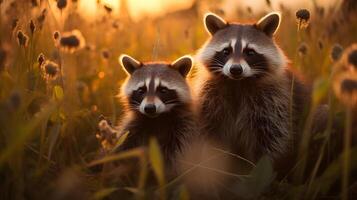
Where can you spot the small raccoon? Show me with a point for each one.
(244, 88)
(157, 102)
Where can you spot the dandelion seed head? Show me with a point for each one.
(336, 52)
(50, 70)
(61, 4)
(72, 41)
(303, 18)
(107, 135)
(22, 38)
(40, 59)
(108, 9)
(349, 86)
(345, 77)
(345, 88)
(56, 35)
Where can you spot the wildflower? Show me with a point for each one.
(56, 35)
(302, 49)
(41, 18)
(107, 134)
(32, 26)
(72, 41)
(22, 39)
(61, 4)
(41, 58)
(352, 58)
(303, 17)
(108, 9)
(349, 86)
(345, 77)
(50, 70)
(336, 52)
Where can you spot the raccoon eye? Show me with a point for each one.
(226, 51)
(250, 52)
(163, 90)
(141, 90)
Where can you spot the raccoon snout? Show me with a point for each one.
(150, 109)
(236, 70)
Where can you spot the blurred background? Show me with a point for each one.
(59, 75)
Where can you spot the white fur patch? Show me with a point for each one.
(247, 70)
(227, 67)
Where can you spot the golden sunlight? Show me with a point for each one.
(137, 8)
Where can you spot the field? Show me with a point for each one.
(54, 92)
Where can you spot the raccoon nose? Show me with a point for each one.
(236, 70)
(150, 109)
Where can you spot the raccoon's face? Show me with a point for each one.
(155, 88)
(240, 51)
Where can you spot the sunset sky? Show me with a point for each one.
(139, 8)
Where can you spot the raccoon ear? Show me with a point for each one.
(129, 64)
(269, 24)
(214, 23)
(183, 65)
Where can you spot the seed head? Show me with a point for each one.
(107, 135)
(336, 52)
(41, 18)
(56, 35)
(349, 86)
(22, 39)
(32, 26)
(61, 4)
(352, 58)
(303, 17)
(50, 70)
(72, 41)
(41, 58)
(302, 49)
(108, 9)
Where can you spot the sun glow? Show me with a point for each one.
(136, 8)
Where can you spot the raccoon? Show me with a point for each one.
(157, 103)
(244, 88)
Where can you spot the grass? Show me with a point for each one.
(48, 124)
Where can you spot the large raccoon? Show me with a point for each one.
(157, 103)
(244, 88)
